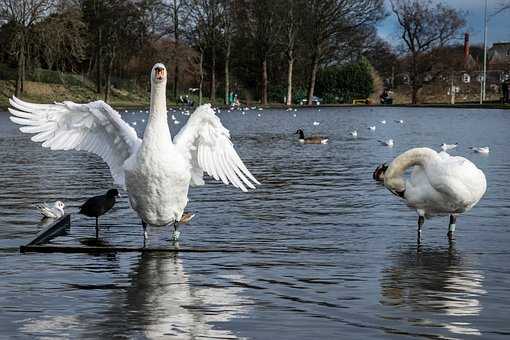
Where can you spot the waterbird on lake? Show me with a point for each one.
(311, 139)
(445, 147)
(484, 150)
(382, 121)
(354, 133)
(371, 128)
(400, 121)
(388, 142)
(316, 123)
(155, 171)
(56, 211)
(99, 205)
(440, 184)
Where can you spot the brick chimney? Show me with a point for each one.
(466, 48)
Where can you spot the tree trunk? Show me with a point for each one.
(264, 82)
(227, 75)
(176, 39)
(20, 69)
(98, 62)
(201, 70)
(414, 81)
(213, 75)
(176, 78)
(107, 90)
(289, 80)
(313, 76)
(19, 79)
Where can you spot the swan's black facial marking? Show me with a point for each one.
(378, 173)
(159, 73)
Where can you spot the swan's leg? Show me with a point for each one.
(145, 236)
(421, 220)
(451, 227)
(177, 233)
(97, 227)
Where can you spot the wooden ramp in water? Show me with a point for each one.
(41, 243)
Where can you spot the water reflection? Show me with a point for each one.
(163, 302)
(440, 281)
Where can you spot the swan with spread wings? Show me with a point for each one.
(155, 171)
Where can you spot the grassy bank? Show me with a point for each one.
(47, 93)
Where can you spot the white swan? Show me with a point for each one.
(56, 211)
(439, 184)
(155, 171)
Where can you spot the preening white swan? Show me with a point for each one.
(439, 184)
(155, 171)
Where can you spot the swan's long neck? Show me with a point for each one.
(393, 177)
(157, 130)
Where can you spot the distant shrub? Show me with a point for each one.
(342, 84)
(7, 73)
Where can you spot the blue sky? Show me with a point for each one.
(498, 28)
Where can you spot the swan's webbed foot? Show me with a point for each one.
(451, 228)
(176, 233)
(421, 220)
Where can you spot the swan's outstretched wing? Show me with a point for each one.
(206, 143)
(94, 127)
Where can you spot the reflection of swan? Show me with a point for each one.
(439, 184)
(438, 281)
(165, 304)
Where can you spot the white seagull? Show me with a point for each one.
(56, 211)
(484, 150)
(383, 121)
(354, 133)
(400, 121)
(440, 184)
(371, 128)
(155, 171)
(316, 123)
(388, 142)
(446, 147)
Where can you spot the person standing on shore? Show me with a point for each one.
(504, 90)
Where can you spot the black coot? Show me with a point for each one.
(99, 205)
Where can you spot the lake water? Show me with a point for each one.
(337, 254)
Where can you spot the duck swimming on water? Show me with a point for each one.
(311, 139)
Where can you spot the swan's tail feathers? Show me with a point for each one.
(378, 174)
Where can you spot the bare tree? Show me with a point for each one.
(327, 21)
(205, 14)
(292, 20)
(504, 5)
(424, 27)
(227, 29)
(24, 14)
(179, 12)
(261, 24)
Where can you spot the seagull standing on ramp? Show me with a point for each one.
(155, 171)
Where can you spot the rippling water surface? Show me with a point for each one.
(337, 255)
